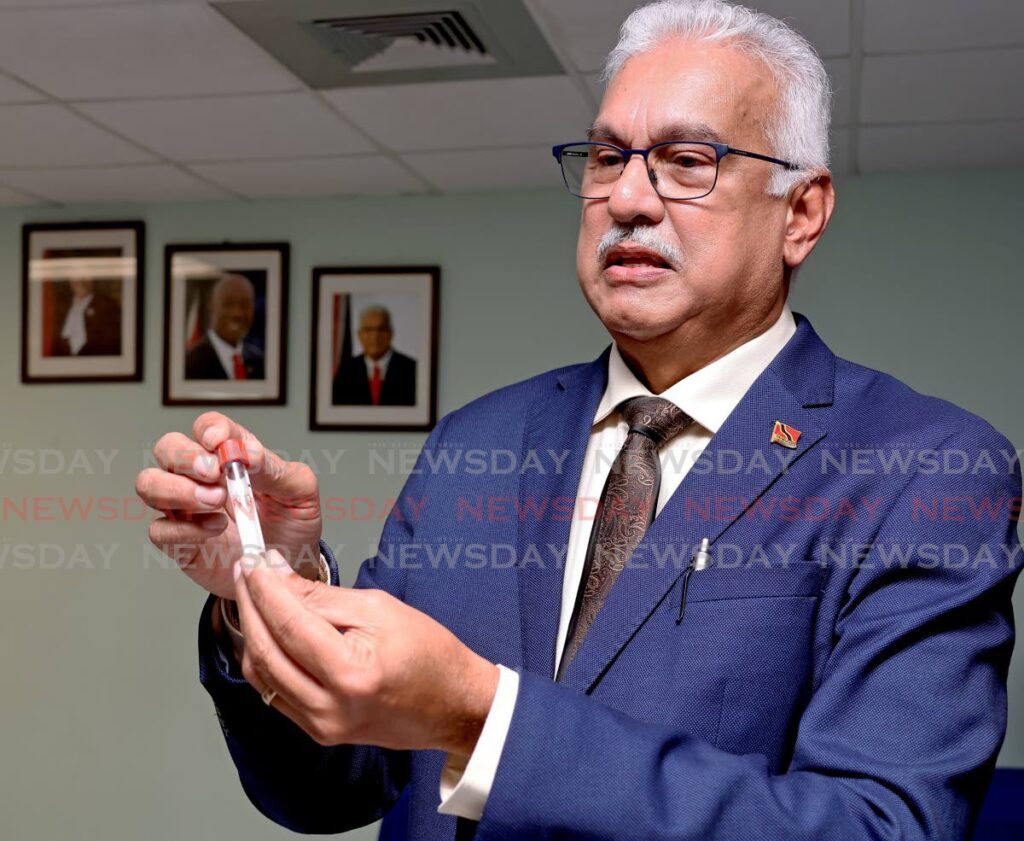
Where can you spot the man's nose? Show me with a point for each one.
(633, 198)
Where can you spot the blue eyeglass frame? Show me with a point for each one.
(721, 150)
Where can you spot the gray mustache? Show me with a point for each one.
(642, 235)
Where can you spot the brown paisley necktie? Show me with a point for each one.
(624, 511)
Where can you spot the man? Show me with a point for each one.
(380, 375)
(223, 353)
(90, 322)
(742, 666)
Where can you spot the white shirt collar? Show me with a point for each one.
(382, 362)
(221, 345)
(710, 394)
(225, 352)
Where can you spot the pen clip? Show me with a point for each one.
(700, 560)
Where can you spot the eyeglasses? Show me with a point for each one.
(681, 170)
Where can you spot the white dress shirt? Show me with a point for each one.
(74, 324)
(225, 352)
(709, 397)
(382, 363)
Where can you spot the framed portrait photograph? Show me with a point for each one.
(225, 324)
(374, 348)
(81, 302)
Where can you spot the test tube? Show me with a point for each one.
(234, 461)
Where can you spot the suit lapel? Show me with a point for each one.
(560, 420)
(799, 380)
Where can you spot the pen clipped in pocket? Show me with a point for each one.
(701, 560)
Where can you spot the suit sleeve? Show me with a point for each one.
(284, 773)
(899, 737)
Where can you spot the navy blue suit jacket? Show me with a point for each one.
(833, 677)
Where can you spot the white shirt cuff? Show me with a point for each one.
(465, 785)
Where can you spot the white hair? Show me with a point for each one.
(798, 131)
(375, 309)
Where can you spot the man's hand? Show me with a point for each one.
(198, 531)
(393, 677)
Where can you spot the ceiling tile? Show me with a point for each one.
(595, 84)
(950, 86)
(144, 50)
(498, 169)
(588, 29)
(233, 128)
(13, 91)
(112, 184)
(35, 4)
(51, 135)
(941, 24)
(358, 175)
(468, 114)
(12, 198)
(839, 72)
(942, 146)
(840, 151)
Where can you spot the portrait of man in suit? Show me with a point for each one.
(223, 353)
(380, 375)
(702, 655)
(88, 322)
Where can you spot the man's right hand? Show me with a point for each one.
(198, 530)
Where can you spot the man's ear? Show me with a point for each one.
(810, 208)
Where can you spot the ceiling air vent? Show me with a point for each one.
(340, 43)
(402, 42)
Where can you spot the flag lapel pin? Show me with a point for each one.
(785, 435)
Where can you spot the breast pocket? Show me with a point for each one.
(756, 581)
(755, 626)
(736, 670)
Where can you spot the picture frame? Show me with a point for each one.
(226, 324)
(82, 295)
(374, 348)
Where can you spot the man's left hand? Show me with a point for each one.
(392, 677)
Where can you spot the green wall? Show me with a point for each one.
(105, 730)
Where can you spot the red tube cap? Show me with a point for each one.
(232, 450)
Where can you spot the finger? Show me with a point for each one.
(268, 472)
(171, 530)
(177, 453)
(342, 607)
(298, 696)
(162, 490)
(191, 546)
(280, 703)
(211, 429)
(307, 638)
(270, 663)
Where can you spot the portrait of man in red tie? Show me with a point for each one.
(221, 351)
(380, 375)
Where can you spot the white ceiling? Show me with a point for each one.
(163, 100)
